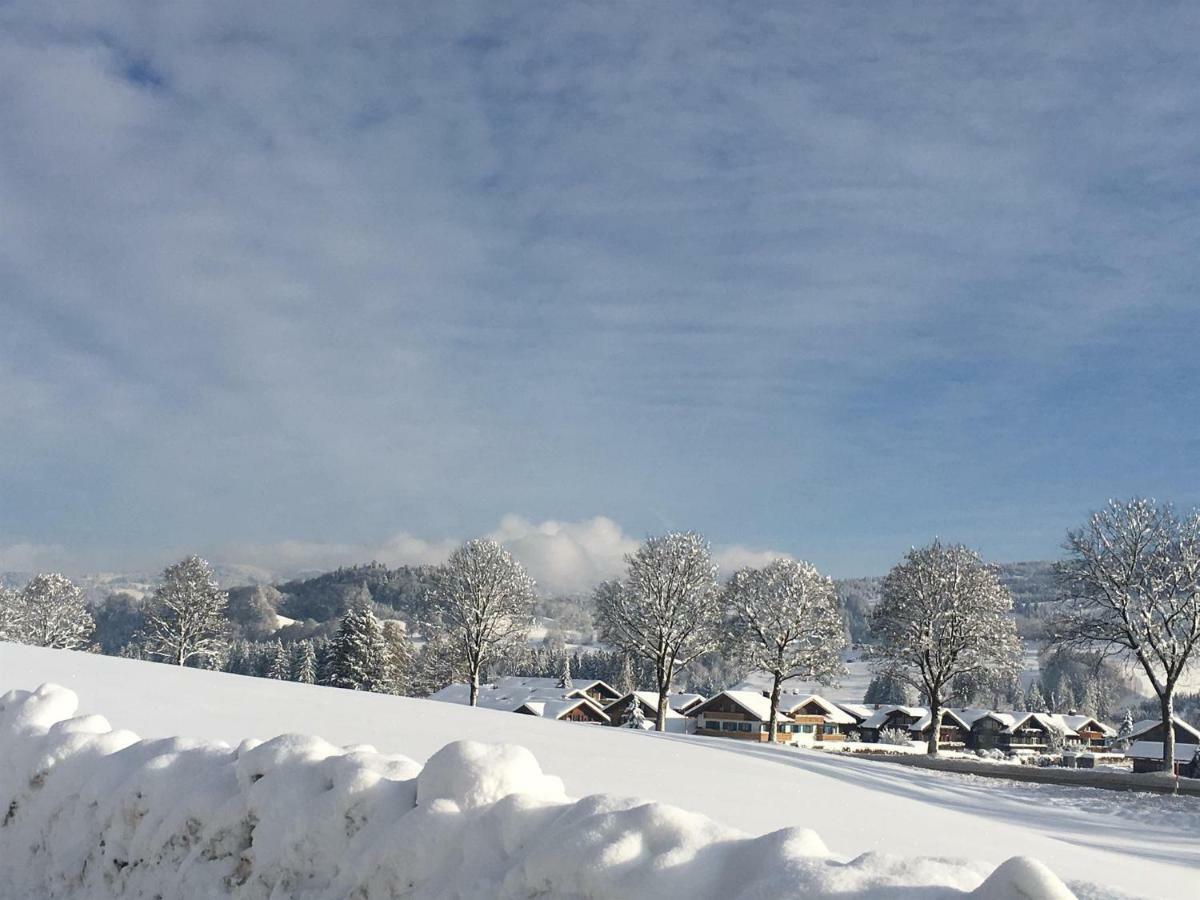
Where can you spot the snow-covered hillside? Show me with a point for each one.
(1142, 845)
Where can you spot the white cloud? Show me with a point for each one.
(28, 557)
(735, 556)
(562, 556)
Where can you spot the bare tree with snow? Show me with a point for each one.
(667, 609)
(185, 619)
(482, 600)
(942, 614)
(50, 612)
(786, 621)
(1131, 588)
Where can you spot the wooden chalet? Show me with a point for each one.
(575, 709)
(1035, 732)
(835, 722)
(953, 733)
(1146, 747)
(901, 718)
(677, 721)
(746, 715)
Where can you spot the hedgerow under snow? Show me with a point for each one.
(93, 812)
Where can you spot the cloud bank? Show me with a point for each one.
(562, 557)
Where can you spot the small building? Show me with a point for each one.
(1035, 732)
(746, 715)
(676, 721)
(1089, 731)
(891, 716)
(577, 709)
(987, 731)
(1146, 746)
(952, 734)
(836, 724)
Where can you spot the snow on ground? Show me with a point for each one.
(1141, 845)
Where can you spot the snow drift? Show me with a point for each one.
(89, 811)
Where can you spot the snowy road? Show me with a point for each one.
(1140, 844)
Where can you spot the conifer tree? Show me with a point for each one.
(564, 675)
(1035, 699)
(305, 662)
(280, 668)
(402, 656)
(360, 659)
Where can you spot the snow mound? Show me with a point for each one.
(89, 812)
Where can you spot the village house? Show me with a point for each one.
(1146, 747)
(677, 720)
(581, 701)
(1036, 733)
(900, 718)
(577, 709)
(836, 724)
(1089, 732)
(952, 735)
(746, 715)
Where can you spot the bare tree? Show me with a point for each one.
(185, 619)
(786, 622)
(50, 612)
(942, 614)
(1131, 588)
(483, 601)
(667, 610)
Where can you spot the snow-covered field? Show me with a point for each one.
(1137, 844)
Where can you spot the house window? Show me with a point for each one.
(729, 726)
(743, 726)
(805, 729)
(829, 729)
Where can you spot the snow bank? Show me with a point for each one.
(92, 812)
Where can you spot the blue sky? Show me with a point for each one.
(295, 283)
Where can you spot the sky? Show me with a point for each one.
(297, 284)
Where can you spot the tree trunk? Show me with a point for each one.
(935, 726)
(666, 672)
(778, 680)
(1167, 702)
(474, 686)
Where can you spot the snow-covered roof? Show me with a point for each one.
(556, 709)
(949, 717)
(1154, 750)
(511, 693)
(1077, 722)
(860, 711)
(538, 683)
(1048, 721)
(1146, 724)
(1005, 719)
(650, 699)
(682, 702)
(833, 714)
(751, 701)
(878, 719)
(972, 714)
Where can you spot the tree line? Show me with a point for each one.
(1128, 587)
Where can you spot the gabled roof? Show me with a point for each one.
(1146, 724)
(949, 717)
(879, 718)
(682, 702)
(860, 711)
(1075, 723)
(754, 703)
(556, 709)
(833, 715)
(1048, 721)
(1005, 719)
(650, 699)
(1154, 750)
